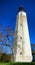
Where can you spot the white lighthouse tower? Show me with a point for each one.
(22, 48)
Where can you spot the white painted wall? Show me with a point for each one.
(24, 44)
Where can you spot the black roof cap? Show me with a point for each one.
(21, 8)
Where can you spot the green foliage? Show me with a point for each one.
(5, 58)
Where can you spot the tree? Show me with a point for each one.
(6, 38)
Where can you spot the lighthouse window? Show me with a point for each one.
(20, 53)
(20, 24)
(21, 14)
(20, 37)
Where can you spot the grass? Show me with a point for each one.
(17, 63)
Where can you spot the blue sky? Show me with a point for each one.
(9, 10)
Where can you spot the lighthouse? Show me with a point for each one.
(22, 47)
